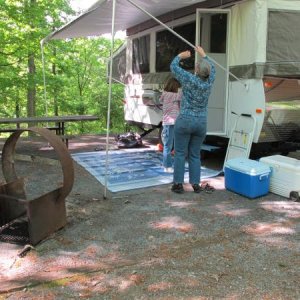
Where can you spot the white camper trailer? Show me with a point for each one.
(255, 44)
(257, 41)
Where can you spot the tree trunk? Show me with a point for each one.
(31, 88)
(55, 89)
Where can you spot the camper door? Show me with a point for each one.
(212, 34)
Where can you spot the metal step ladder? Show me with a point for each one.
(241, 138)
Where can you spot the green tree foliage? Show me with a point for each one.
(23, 24)
(80, 80)
(75, 70)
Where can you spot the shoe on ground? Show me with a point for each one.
(207, 188)
(197, 188)
(169, 170)
(177, 188)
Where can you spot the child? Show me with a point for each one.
(170, 99)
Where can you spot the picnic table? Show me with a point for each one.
(58, 121)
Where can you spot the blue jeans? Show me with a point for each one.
(189, 132)
(168, 141)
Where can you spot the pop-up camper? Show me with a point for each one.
(256, 47)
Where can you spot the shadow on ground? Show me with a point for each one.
(151, 243)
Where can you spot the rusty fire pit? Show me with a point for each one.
(25, 221)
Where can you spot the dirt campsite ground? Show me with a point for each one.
(151, 243)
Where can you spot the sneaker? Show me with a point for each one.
(207, 188)
(197, 188)
(177, 188)
(169, 170)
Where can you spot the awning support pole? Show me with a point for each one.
(110, 93)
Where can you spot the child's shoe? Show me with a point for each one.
(169, 170)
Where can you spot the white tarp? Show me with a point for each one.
(249, 29)
(97, 19)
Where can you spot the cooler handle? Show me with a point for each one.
(263, 176)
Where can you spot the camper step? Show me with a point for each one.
(209, 148)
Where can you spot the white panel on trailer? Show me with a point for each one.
(241, 138)
(206, 31)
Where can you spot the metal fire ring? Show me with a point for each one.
(60, 148)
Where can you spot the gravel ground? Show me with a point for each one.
(152, 243)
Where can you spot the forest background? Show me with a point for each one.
(75, 69)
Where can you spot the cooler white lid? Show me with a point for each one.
(289, 163)
(247, 166)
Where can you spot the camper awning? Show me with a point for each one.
(98, 18)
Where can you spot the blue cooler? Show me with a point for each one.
(247, 177)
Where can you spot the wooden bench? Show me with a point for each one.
(56, 128)
(8, 130)
(4, 130)
(65, 137)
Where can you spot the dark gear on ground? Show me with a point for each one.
(129, 140)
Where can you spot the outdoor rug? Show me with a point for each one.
(130, 168)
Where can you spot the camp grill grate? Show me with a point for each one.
(32, 220)
(15, 232)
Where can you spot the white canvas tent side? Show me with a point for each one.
(264, 35)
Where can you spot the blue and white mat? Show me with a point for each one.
(130, 168)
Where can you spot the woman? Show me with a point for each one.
(190, 125)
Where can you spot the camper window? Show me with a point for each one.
(141, 55)
(168, 46)
(218, 33)
(214, 32)
(283, 39)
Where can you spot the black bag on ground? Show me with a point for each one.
(129, 140)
